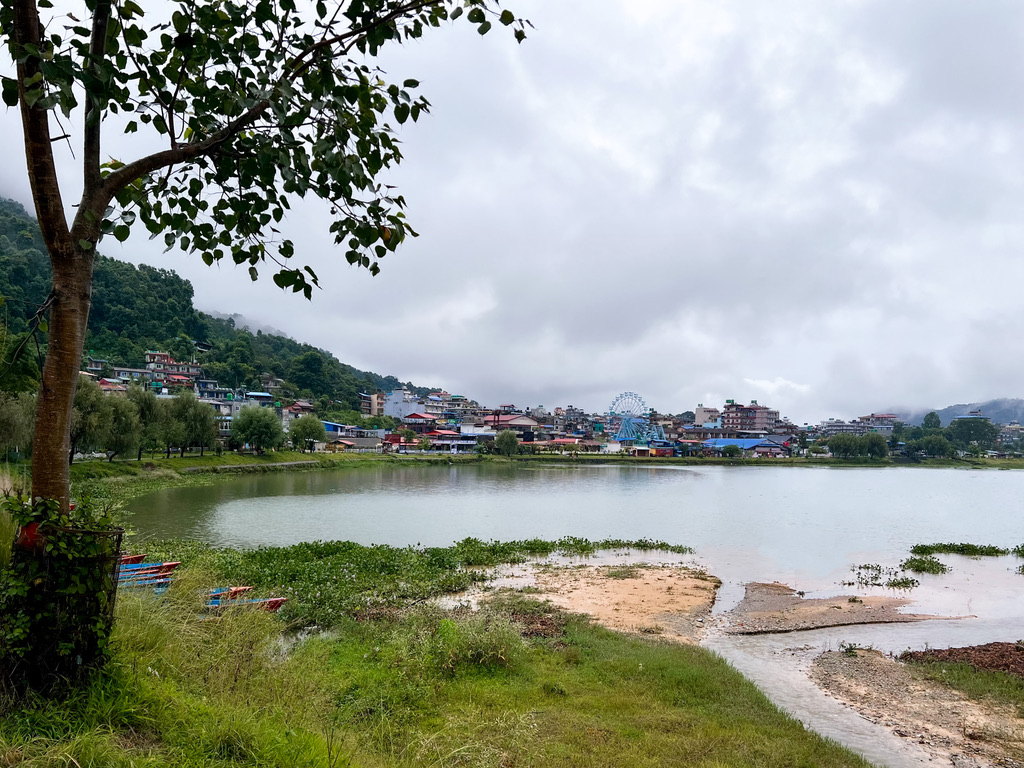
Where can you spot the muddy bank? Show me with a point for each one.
(778, 608)
(998, 657)
(949, 727)
(670, 601)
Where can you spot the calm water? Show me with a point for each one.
(805, 527)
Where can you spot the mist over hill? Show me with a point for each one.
(1001, 411)
(137, 308)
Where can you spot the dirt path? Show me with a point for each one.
(671, 601)
(778, 608)
(950, 728)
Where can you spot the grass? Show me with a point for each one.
(924, 564)
(426, 687)
(10, 481)
(970, 550)
(977, 684)
(327, 582)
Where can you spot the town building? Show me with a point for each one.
(748, 418)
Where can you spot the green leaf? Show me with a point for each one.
(121, 232)
(85, 245)
(402, 113)
(10, 91)
(410, 83)
(484, 28)
(507, 17)
(476, 15)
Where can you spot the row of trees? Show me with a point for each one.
(141, 422)
(969, 434)
(845, 446)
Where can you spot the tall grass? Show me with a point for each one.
(10, 482)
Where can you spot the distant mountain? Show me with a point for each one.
(1001, 411)
(136, 308)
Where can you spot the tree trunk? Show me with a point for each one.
(69, 316)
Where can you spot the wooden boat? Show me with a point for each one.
(263, 604)
(132, 559)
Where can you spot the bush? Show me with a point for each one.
(432, 641)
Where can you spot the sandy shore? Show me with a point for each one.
(670, 601)
(949, 727)
(675, 603)
(778, 608)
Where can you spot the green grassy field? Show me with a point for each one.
(416, 688)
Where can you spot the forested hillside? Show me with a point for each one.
(140, 308)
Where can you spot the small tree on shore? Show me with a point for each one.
(506, 443)
(258, 427)
(306, 431)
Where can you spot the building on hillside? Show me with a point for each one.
(371, 404)
(400, 403)
(112, 386)
(165, 369)
(127, 375)
(95, 365)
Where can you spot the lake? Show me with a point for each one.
(803, 526)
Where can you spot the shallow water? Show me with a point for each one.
(805, 527)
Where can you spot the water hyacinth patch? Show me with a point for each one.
(969, 550)
(925, 564)
(326, 581)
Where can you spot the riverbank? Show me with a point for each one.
(399, 683)
(959, 716)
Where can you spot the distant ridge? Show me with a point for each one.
(1001, 411)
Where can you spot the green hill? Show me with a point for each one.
(140, 308)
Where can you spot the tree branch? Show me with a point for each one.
(93, 106)
(42, 172)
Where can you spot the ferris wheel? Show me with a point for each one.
(628, 405)
(633, 417)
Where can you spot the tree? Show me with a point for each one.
(88, 420)
(507, 443)
(932, 421)
(898, 433)
(874, 445)
(149, 418)
(844, 446)
(172, 430)
(256, 102)
(258, 427)
(198, 421)
(732, 451)
(934, 445)
(305, 431)
(15, 424)
(969, 431)
(123, 427)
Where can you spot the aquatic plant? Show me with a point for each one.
(924, 564)
(902, 582)
(970, 550)
(327, 581)
(1018, 550)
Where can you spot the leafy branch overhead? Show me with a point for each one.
(257, 103)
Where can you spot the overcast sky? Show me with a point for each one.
(817, 205)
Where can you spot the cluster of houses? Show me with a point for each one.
(441, 421)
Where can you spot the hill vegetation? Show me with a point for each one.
(136, 308)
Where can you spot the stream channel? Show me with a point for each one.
(803, 526)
